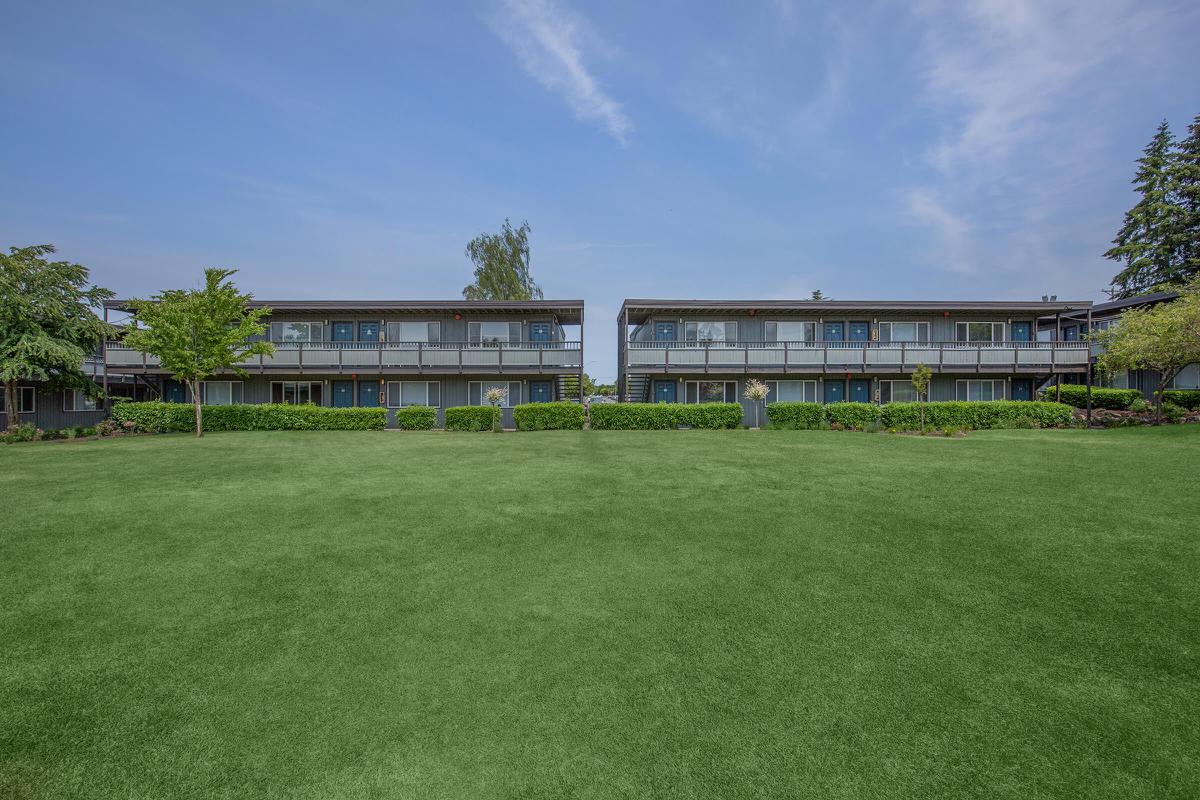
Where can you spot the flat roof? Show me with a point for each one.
(571, 311)
(1039, 307)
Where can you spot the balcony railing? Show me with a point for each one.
(802, 356)
(398, 355)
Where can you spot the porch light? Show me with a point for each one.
(457, 315)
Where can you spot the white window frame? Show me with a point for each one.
(508, 399)
(962, 389)
(320, 331)
(22, 406)
(725, 323)
(283, 392)
(400, 394)
(810, 327)
(402, 338)
(892, 391)
(724, 392)
(1186, 373)
(969, 323)
(773, 396)
(74, 396)
(232, 402)
(919, 323)
(480, 340)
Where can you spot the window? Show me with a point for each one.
(26, 399)
(1188, 378)
(710, 392)
(897, 392)
(414, 331)
(1070, 334)
(979, 331)
(296, 392)
(414, 393)
(792, 391)
(789, 331)
(477, 389)
(710, 332)
(904, 331)
(76, 400)
(221, 393)
(979, 390)
(493, 332)
(296, 331)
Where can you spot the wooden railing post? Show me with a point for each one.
(421, 355)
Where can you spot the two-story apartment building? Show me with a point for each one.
(52, 409)
(393, 354)
(1075, 327)
(829, 351)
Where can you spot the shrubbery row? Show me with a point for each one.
(1075, 395)
(472, 418)
(661, 416)
(158, 417)
(1184, 398)
(907, 416)
(560, 416)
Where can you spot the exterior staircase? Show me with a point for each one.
(567, 387)
(637, 388)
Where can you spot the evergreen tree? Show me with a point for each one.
(1185, 185)
(1147, 243)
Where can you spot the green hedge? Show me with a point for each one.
(1184, 398)
(549, 417)
(796, 416)
(852, 416)
(976, 415)
(416, 418)
(159, 417)
(1075, 395)
(472, 418)
(661, 416)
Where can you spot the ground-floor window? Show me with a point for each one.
(710, 392)
(476, 391)
(1188, 378)
(979, 390)
(792, 391)
(26, 400)
(296, 393)
(414, 393)
(221, 393)
(897, 392)
(76, 400)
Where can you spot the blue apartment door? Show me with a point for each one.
(539, 391)
(343, 332)
(664, 391)
(835, 332)
(368, 331)
(539, 332)
(860, 331)
(173, 392)
(1022, 388)
(343, 394)
(368, 394)
(835, 391)
(1020, 332)
(860, 391)
(664, 332)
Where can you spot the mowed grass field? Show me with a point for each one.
(678, 614)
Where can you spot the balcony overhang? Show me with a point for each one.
(640, 311)
(568, 312)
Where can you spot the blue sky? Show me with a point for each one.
(875, 150)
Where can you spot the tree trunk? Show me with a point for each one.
(196, 403)
(10, 405)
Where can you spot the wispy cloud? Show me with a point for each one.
(550, 40)
(952, 233)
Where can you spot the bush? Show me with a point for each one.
(549, 417)
(472, 418)
(1076, 395)
(1139, 405)
(1184, 398)
(159, 417)
(25, 432)
(416, 418)
(795, 416)
(852, 416)
(1173, 413)
(662, 416)
(971, 415)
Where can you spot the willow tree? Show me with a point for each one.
(197, 332)
(502, 266)
(48, 323)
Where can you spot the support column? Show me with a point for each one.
(581, 370)
(1089, 365)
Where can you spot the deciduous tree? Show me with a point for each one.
(502, 266)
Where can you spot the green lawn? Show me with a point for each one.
(671, 614)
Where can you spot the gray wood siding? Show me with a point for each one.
(751, 328)
(452, 330)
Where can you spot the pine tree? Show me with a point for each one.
(1147, 243)
(1185, 186)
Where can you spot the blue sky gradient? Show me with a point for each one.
(877, 150)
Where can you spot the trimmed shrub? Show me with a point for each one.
(559, 416)
(25, 432)
(662, 416)
(472, 418)
(1075, 395)
(795, 416)
(852, 416)
(977, 415)
(159, 417)
(416, 418)
(1173, 413)
(1184, 398)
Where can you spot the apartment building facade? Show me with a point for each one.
(829, 351)
(392, 354)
